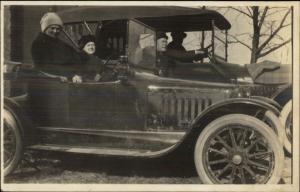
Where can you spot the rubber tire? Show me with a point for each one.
(276, 125)
(283, 118)
(11, 119)
(249, 121)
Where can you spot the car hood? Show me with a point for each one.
(265, 72)
(269, 72)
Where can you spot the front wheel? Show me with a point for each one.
(13, 142)
(238, 149)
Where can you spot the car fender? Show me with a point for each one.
(268, 100)
(22, 118)
(283, 95)
(249, 106)
(237, 105)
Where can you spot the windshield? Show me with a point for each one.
(141, 45)
(142, 51)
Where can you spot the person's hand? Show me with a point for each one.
(206, 50)
(97, 77)
(63, 78)
(203, 52)
(199, 51)
(77, 79)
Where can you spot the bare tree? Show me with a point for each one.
(265, 36)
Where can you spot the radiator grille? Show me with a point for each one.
(182, 108)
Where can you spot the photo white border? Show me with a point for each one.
(181, 187)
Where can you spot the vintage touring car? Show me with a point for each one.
(204, 111)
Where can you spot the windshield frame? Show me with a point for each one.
(133, 39)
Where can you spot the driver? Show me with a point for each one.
(176, 51)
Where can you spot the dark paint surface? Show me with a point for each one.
(144, 103)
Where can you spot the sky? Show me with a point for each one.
(242, 24)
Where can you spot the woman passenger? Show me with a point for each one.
(93, 65)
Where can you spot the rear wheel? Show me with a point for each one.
(286, 118)
(238, 149)
(12, 144)
(273, 121)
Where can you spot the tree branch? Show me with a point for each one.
(241, 34)
(276, 11)
(240, 11)
(274, 33)
(283, 26)
(250, 13)
(263, 17)
(273, 49)
(278, 36)
(239, 41)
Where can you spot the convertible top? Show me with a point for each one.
(164, 18)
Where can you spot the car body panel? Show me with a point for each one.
(147, 112)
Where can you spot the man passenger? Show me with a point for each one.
(163, 62)
(176, 50)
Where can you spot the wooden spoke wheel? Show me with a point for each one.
(286, 118)
(238, 149)
(12, 143)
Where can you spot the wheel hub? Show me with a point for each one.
(237, 159)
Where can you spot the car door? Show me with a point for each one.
(72, 105)
(92, 105)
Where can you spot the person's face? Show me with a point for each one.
(90, 48)
(53, 31)
(162, 44)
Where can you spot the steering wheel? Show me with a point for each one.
(113, 70)
(209, 52)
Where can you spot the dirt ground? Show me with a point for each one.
(108, 170)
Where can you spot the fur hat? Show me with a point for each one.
(85, 39)
(49, 19)
(161, 34)
(178, 34)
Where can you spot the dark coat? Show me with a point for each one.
(179, 53)
(176, 46)
(91, 64)
(53, 56)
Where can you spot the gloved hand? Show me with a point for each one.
(203, 52)
(63, 78)
(199, 52)
(97, 77)
(77, 79)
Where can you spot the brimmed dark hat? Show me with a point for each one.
(85, 39)
(178, 34)
(161, 34)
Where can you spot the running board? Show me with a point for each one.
(164, 137)
(97, 151)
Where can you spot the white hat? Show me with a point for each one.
(50, 19)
